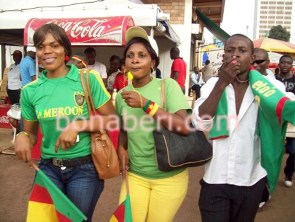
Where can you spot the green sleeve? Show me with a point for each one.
(99, 92)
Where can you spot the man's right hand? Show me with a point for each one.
(23, 147)
(228, 71)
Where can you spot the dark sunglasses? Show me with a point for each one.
(258, 61)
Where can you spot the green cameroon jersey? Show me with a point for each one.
(55, 102)
(139, 126)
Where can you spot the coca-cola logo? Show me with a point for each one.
(4, 119)
(104, 30)
(91, 28)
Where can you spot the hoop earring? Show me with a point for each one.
(152, 69)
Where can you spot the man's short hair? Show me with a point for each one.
(243, 36)
(261, 50)
(89, 50)
(286, 56)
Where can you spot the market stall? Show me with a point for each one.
(17, 24)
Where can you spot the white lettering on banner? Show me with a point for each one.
(215, 56)
(84, 28)
(4, 119)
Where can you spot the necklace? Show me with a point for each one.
(242, 81)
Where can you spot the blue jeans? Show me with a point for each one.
(80, 184)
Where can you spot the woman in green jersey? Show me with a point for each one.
(55, 102)
(155, 195)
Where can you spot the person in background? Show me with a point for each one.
(65, 149)
(178, 68)
(115, 64)
(151, 190)
(234, 179)
(27, 66)
(79, 62)
(207, 71)
(288, 79)
(121, 79)
(261, 62)
(90, 55)
(14, 79)
(28, 72)
(277, 71)
(196, 81)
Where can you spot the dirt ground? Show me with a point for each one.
(16, 182)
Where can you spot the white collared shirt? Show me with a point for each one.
(237, 158)
(100, 68)
(13, 76)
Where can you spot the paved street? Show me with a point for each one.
(16, 182)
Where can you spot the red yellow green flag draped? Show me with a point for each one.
(49, 204)
(123, 212)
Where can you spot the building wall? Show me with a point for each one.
(175, 8)
(180, 19)
(274, 12)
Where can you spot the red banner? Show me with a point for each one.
(85, 31)
(4, 119)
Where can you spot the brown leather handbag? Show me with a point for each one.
(103, 152)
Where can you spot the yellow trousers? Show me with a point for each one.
(155, 200)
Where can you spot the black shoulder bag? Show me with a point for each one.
(175, 151)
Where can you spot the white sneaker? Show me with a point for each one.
(288, 182)
(264, 202)
(261, 204)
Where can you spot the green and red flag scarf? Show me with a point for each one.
(123, 212)
(49, 204)
(275, 111)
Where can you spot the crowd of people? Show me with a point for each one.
(238, 179)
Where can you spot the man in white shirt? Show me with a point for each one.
(14, 83)
(115, 66)
(196, 84)
(90, 55)
(196, 79)
(234, 179)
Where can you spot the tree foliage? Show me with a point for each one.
(279, 32)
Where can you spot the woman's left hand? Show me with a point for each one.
(133, 99)
(67, 138)
(124, 160)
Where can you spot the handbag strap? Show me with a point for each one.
(163, 94)
(92, 106)
(87, 90)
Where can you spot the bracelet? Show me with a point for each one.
(154, 110)
(24, 132)
(150, 108)
(147, 105)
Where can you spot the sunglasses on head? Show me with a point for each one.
(258, 61)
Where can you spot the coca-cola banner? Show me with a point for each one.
(85, 31)
(4, 119)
